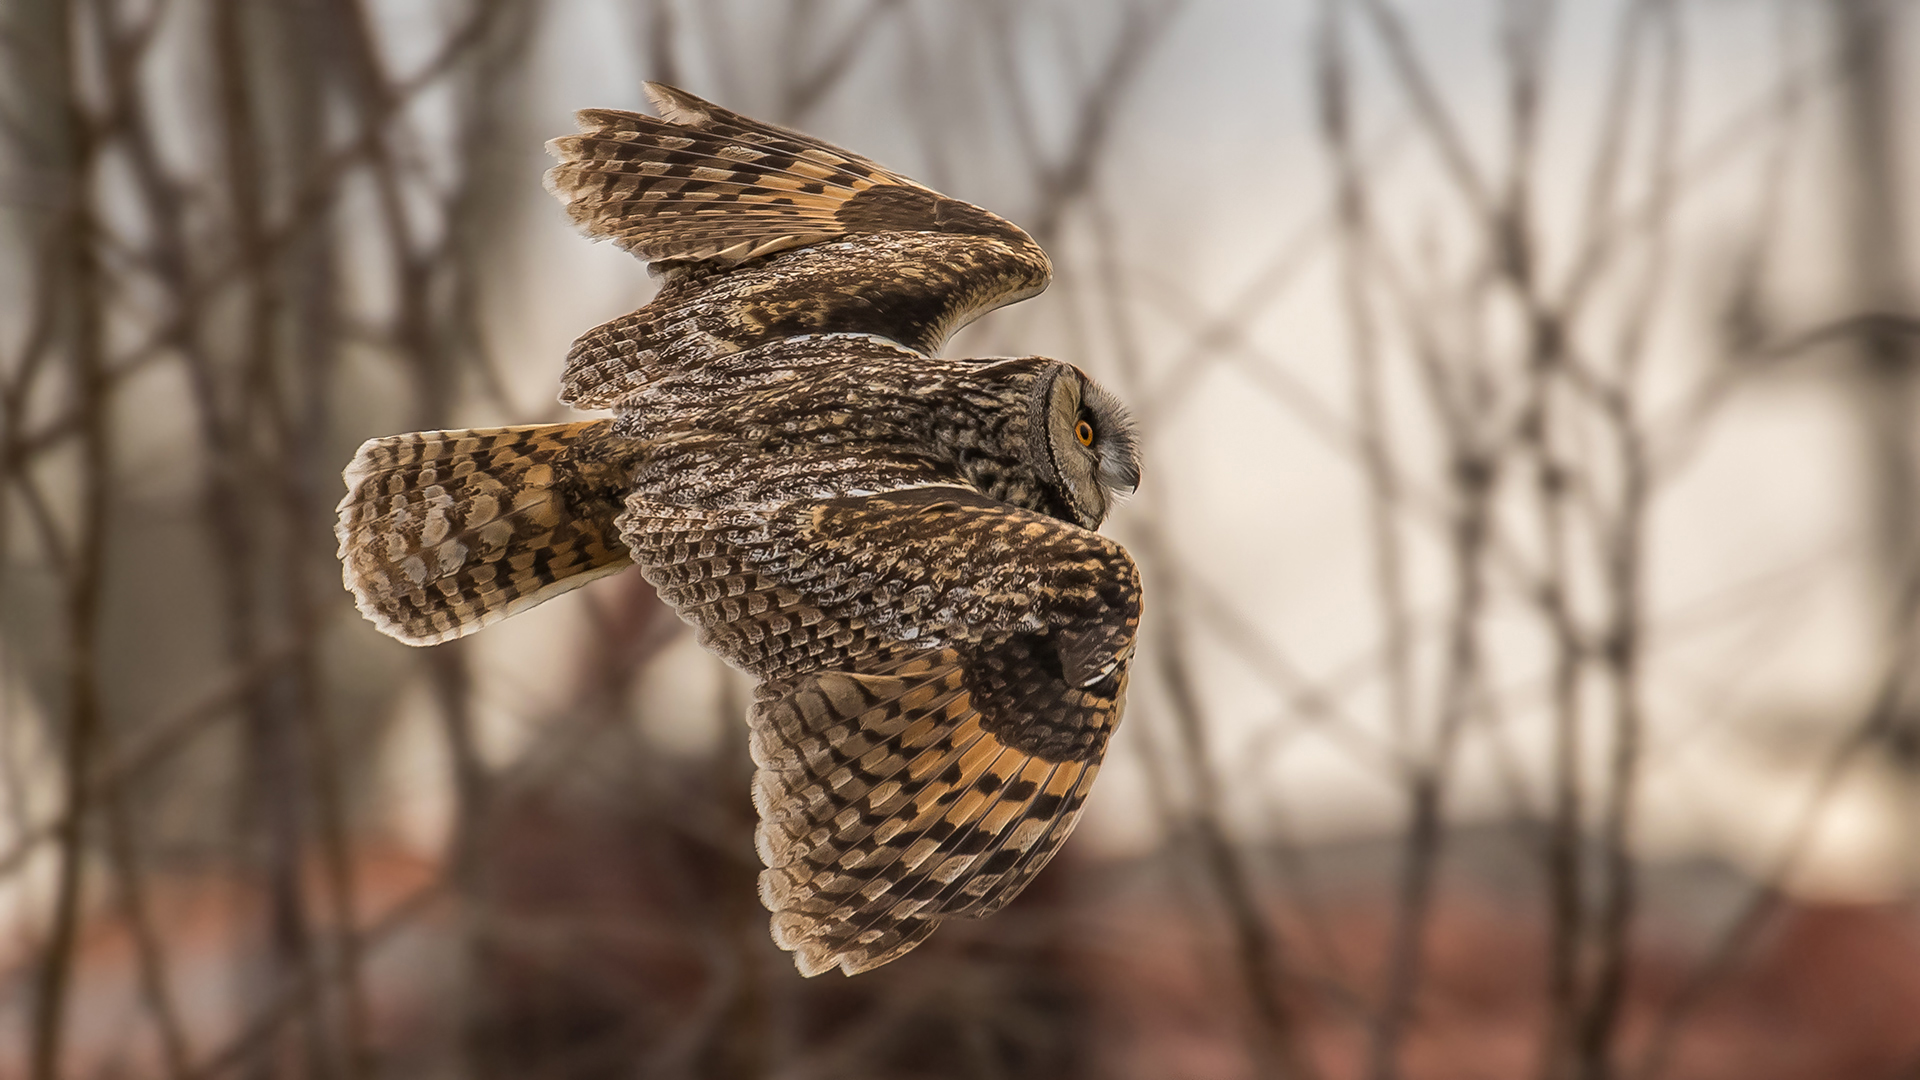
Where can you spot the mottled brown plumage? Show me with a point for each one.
(898, 546)
(443, 532)
(707, 195)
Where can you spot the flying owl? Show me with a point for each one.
(900, 547)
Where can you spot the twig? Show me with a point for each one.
(1065, 178)
(1762, 901)
(78, 291)
(123, 845)
(1427, 777)
(660, 41)
(1382, 472)
(1440, 127)
(1276, 1040)
(1624, 558)
(163, 737)
(288, 1001)
(808, 89)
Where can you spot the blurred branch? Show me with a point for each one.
(1881, 718)
(1427, 776)
(1428, 108)
(1624, 226)
(1609, 153)
(159, 739)
(1542, 431)
(1458, 403)
(74, 293)
(809, 88)
(1276, 1043)
(306, 209)
(1277, 1050)
(269, 812)
(1310, 701)
(1063, 178)
(1869, 324)
(124, 847)
(289, 1002)
(1624, 556)
(661, 42)
(1381, 470)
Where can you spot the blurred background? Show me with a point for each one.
(1529, 527)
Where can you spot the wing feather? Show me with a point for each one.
(627, 175)
(765, 234)
(932, 755)
(882, 863)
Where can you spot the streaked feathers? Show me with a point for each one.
(767, 234)
(701, 184)
(443, 532)
(886, 805)
(921, 750)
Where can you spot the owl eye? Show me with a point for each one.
(1084, 432)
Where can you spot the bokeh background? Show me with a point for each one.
(1529, 525)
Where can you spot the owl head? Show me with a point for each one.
(1082, 443)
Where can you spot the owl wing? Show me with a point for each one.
(764, 233)
(941, 672)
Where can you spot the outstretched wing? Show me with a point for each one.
(764, 234)
(893, 798)
(700, 184)
(942, 674)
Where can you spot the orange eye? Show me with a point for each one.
(1084, 432)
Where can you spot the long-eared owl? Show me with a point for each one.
(898, 546)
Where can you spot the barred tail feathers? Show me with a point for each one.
(444, 532)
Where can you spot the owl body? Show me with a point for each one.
(901, 548)
(832, 415)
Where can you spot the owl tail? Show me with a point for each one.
(444, 532)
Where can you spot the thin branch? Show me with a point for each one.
(1625, 559)
(1382, 471)
(812, 87)
(289, 1001)
(85, 584)
(1434, 118)
(1764, 899)
(1276, 1041)
(159, 740)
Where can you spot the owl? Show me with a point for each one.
(899, 547)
